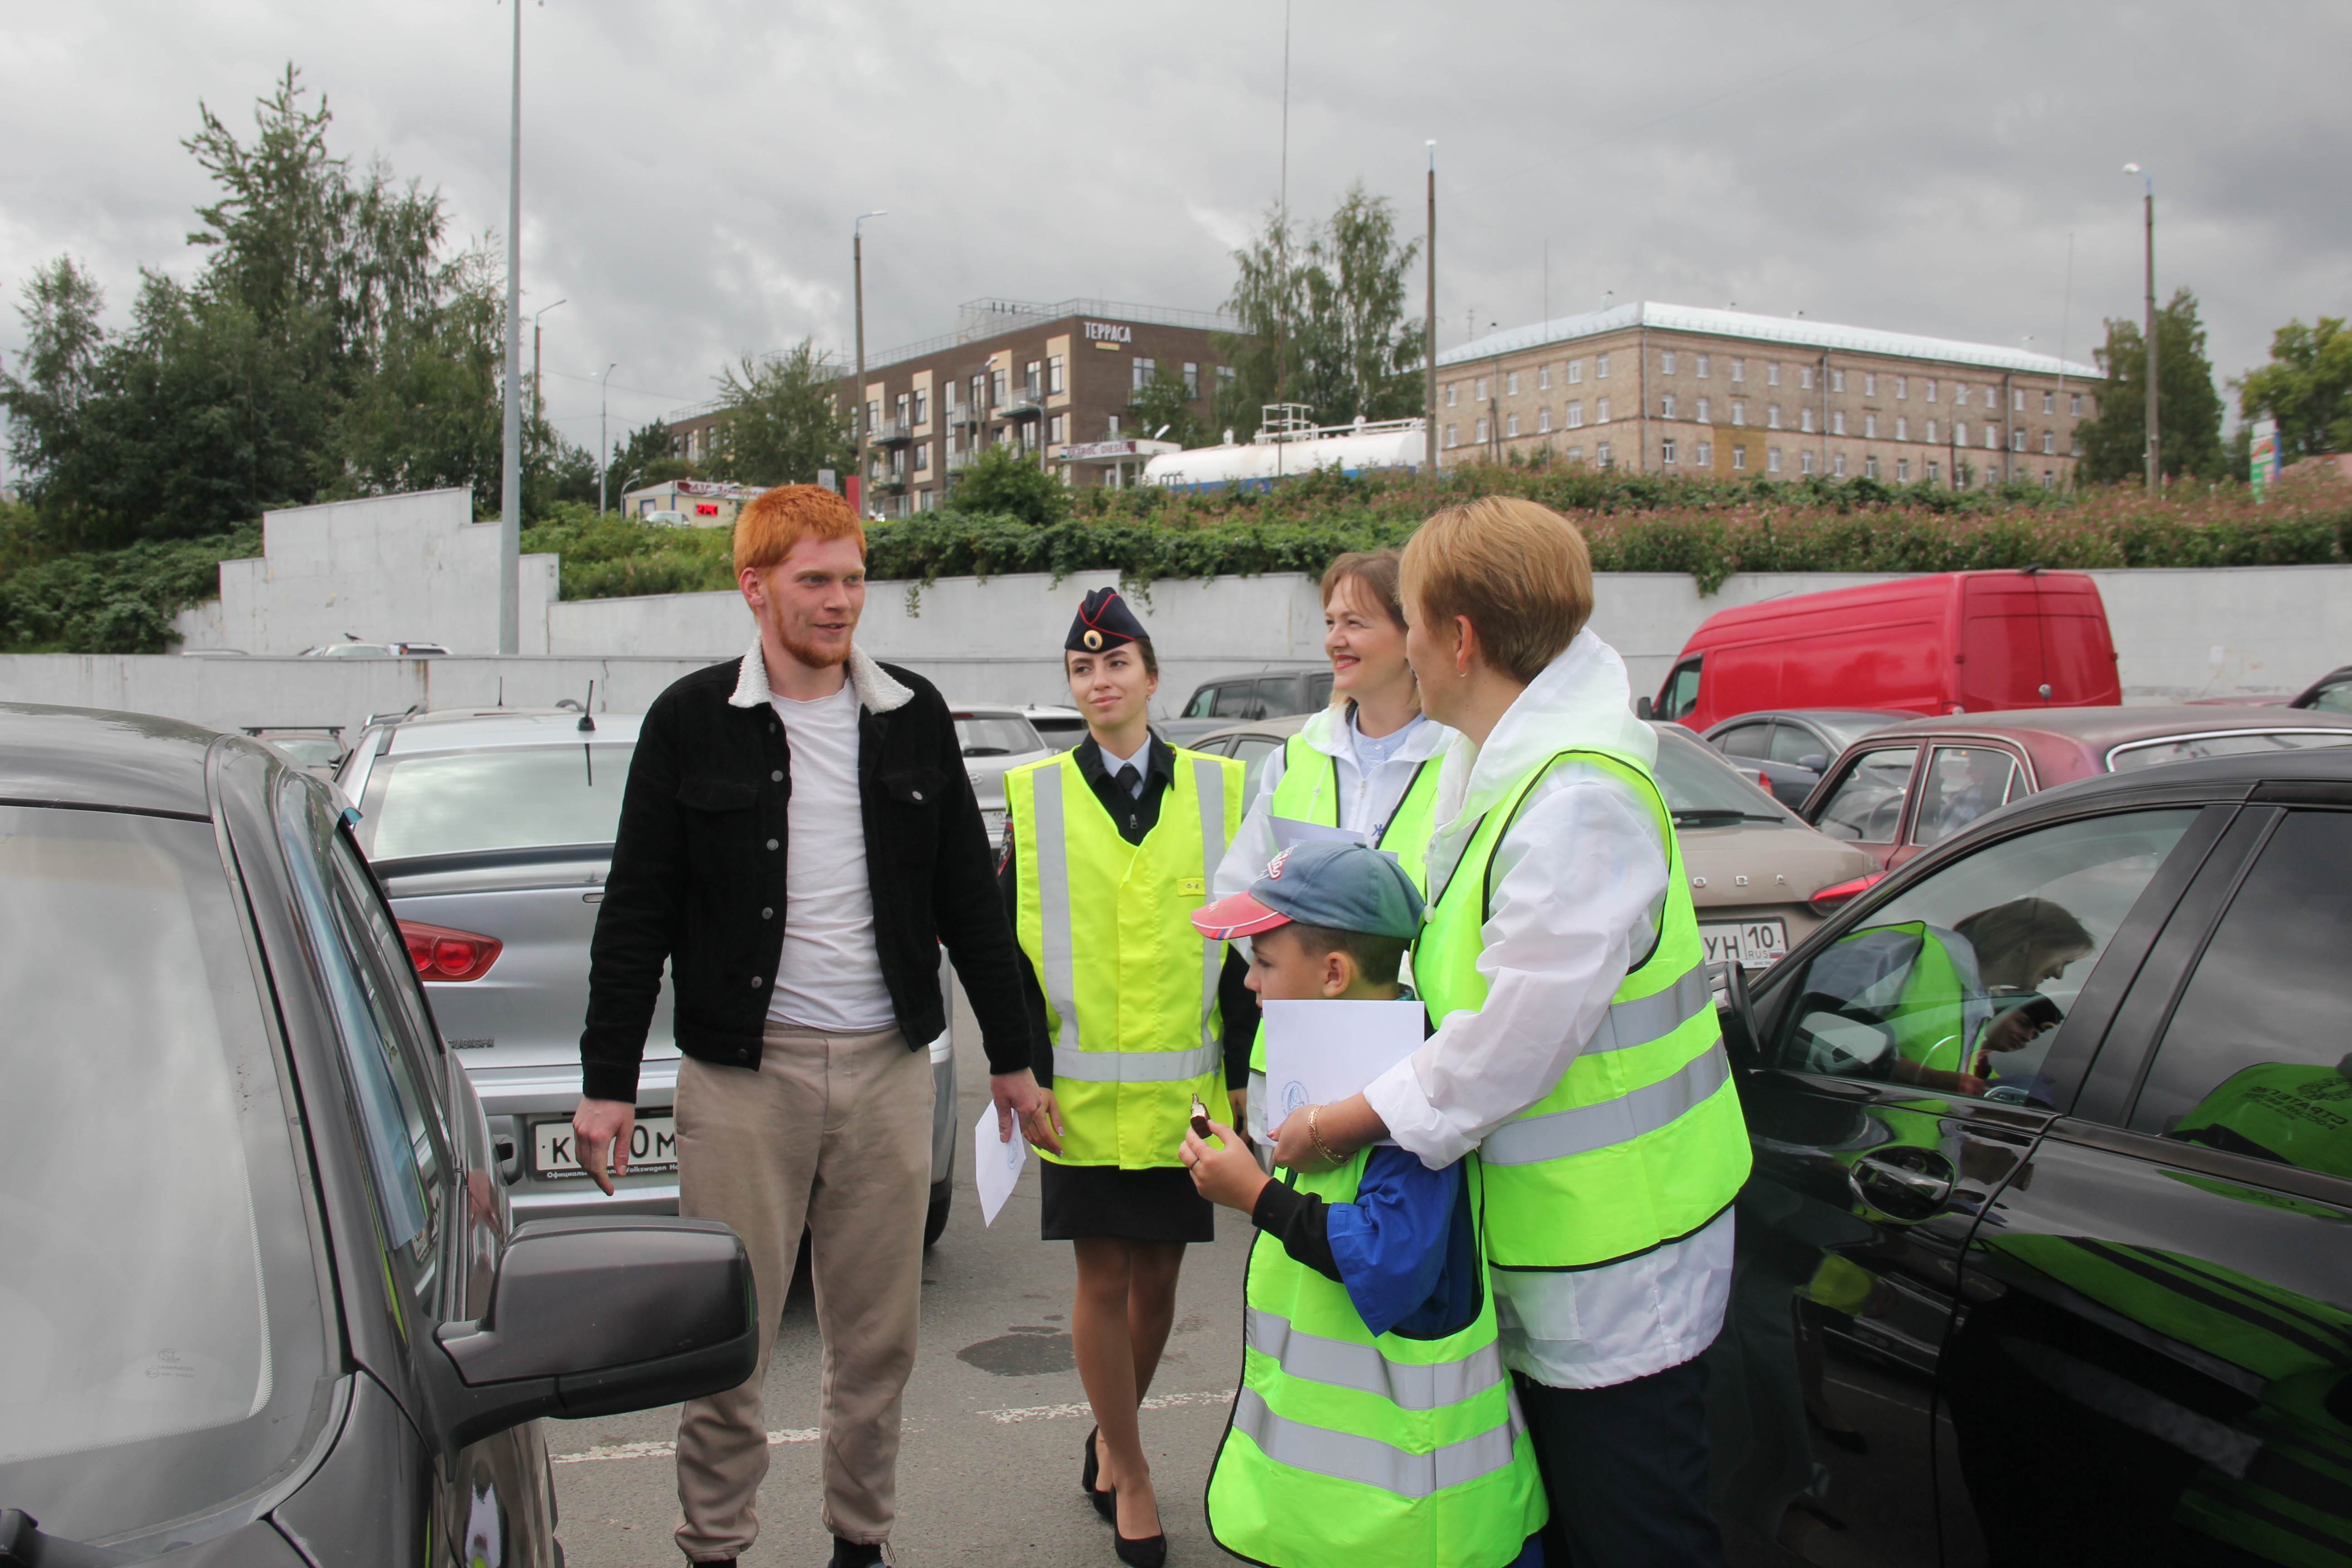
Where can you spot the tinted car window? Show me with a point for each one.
(163, 1335)
(1961, 784)
(1958, 983)
(1234, 701)
(996, 735)
(2255, 1055)
(1203, 701)
(1745, 740)
(440, 803)
(1868, 804)
(1318, 691)
(1795, 743)
(1702, 791)
(2236, 744)
(1682, 692)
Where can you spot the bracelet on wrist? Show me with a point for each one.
(1315, 1136)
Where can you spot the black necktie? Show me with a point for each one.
(1127, 779)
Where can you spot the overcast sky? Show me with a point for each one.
(691, 167)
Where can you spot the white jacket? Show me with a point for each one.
(1580, 887)
(1365, 803)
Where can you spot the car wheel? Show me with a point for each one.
(935, 1221)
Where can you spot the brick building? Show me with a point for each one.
(1675, 389)
(1039, 376)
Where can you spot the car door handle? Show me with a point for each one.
(1903, 1182)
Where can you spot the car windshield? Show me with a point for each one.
(517, 797)
(2235, 743)
(995, 735)
(1702, 791)
(163, 1348)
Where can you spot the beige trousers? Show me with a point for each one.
(836, 1130)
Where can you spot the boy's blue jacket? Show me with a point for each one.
(1405, 1249)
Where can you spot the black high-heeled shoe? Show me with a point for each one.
(1151, 1551)
(1106, 1502)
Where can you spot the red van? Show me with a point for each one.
(1954, 642)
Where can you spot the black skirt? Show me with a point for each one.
(1157, 1202)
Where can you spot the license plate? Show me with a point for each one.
(1757, 944)
(653, 1146)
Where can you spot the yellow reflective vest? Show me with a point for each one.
(1130, 987)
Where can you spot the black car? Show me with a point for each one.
(2047, 1252)
(262, 1304)
(1792, 747)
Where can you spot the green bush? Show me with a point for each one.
(111, 601)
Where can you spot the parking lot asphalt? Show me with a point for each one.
(995, 1415)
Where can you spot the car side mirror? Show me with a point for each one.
(594, 1317)
(1814, 762)
(1641, 708)
(1737, 1015)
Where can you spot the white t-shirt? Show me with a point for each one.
(830, 976)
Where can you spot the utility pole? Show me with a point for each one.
(857, 274)
(2155, 464)
(510, 469)
(603, 435)
(1429, 322)
(539, 399)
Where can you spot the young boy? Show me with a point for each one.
(1375, 1425)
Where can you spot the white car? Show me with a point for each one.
(994, 739)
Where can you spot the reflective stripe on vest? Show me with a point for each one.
(1354, 1458)
(1133, 1034)
(1640, 1143)
(1352, 1363)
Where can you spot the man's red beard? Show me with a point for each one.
(813, 656)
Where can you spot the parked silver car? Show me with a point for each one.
(994, 740)
(492, 831)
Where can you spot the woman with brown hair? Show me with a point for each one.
(1367, 764)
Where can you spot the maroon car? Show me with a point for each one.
(1898, 791)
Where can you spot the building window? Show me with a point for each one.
(1543, 378)
(1703, 454)
(1772, 373)
(2017, 400)
(996, 388)
(1739, 369)
(2050, 476)
(1511, 384)
(2049, 437)
(2077, 450)
(1701, 411)
(906, 408)
(923, 408)
(1666, 407)
(2016, 439)
(1992, 438)
(1738, 455)
(873, 414)
(1902, 386)
(1739, 411)
(1192, 381)
(1869, 384)
(1482, 390)
(1482, 432)
(922, 456)
(1600, 454)
(1054, 379)
(1058, 428)
(1805, 377)
(1543, 419)
(1666, 450)
(2075, 399)
(1902, 428)
(1870, 467)
(1449, 436)
(1805, 463)
(1837, 381)
(1960, 394)
(1144, 371)
(1225, 374)
(1511, 422)
(1805, 418)
(1869, 426)
(1600, 373)
(2050, 401)
(1033, 379)
(1959, 432)
(1600, 411)
(1450, 390)
(1576, 416)
(1772, 460)
(1837, 422)
(1576, 372)
(1575, 454)
(1934, 470)
(1837, 465)
(1666, 363)
(1931, 390)
(1931, 432)
(1702, 365)
(1771, 416)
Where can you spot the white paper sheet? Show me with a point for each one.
(995, 1167)
(1318, 1052)
(1289, 830)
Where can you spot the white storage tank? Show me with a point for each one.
(1286, 449)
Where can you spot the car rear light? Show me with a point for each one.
(1832, 898)
(441, 953)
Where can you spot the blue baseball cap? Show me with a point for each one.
(1345, 886)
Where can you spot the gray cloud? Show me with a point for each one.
(691, 169)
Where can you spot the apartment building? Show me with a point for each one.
(1040, 377)
(1679, 389)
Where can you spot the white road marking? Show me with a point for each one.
(664, 1450)
(1055, 1412)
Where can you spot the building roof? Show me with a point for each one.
(1795, 331)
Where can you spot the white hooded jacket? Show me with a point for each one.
(1366, 801)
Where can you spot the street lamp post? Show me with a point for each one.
(2155, 465)
(857, 277)
(538, 401)
(604, 436)
(510, 468)
(1429, 323)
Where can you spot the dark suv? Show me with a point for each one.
(2047, 1254)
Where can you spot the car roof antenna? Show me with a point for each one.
(587, 724)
